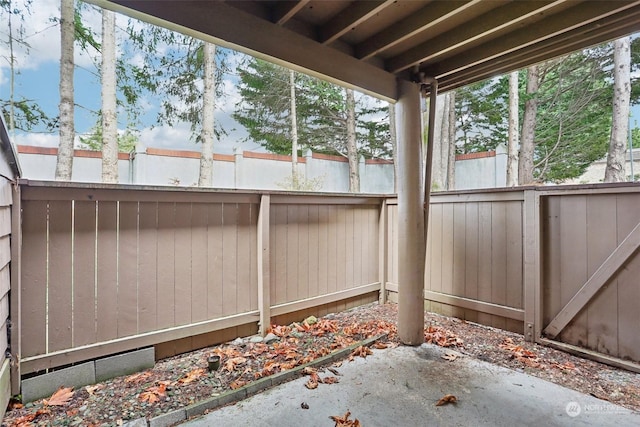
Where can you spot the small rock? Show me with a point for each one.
(238, 341)
(304, 405)
(140, 422)
(256, 339)
(269, 338)
(297, 334)
(311, 320)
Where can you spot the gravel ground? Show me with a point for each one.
(182, 380)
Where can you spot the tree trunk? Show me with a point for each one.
(208, 107)
(451, 141)
(527, 141)
(615, 171)
(12, 78)
(64, 164)
(109, 115)
(438, 174)
(394, 143)
(294, 130)
(512, 147)
(352, 148)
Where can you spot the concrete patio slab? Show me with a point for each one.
(400, 386)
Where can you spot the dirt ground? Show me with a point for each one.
(182, 380)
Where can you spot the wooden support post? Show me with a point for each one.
(264, 279)
(16, 286)
(383, 253)
(411, 239)
(531, 261)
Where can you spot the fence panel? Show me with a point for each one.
(474, 256)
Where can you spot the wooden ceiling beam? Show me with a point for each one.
(356, 13)
(284, 11)
(227, 26)
(417, 22)
(587, 15)
(560, 45)
(483, 26)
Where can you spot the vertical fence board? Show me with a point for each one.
(253, 277)
(292, 254)
(332, 255)
(471, 259)
(303, 252)
(279, 251)
(627, 289)
(349, 253)
(485, 272)
(229, 259)
(343, 244)
(34, 278)
(183, 257)
(371, 242)
(107, 287)
(128, 270)
(245, 288)
(60, 276)
(166, 264)
(447, 254)
(360, 254)
(148, 266)
(514, 280)
(602, 329)
(435, 262)
(573, 261)
(214, 260)
(199, 258)
(323, 250)
(498, 258)
(551, 301)
(84, 274)
(314, 249)
(459, 255)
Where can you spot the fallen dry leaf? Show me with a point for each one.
(344, 421)
(380, 345)
(237, 384)
(311, 384)
(231, 364)
(91, 389)
(60, 398)
(137, 378)
(447, 398)
(449, 356)
(153, 394)
(330, 380)
(361, 351)
(192, 376)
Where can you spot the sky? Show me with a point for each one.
(38, 79)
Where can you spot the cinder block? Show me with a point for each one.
(138, 422)
(257, 386)
(200, 407)
(168, 419)
(45, 385)
(125, 364)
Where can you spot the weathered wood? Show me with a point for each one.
(148, 266)
(603, 274)
(264, 270)
(591, 355)
(383, 251)
(84, 273)
(127, 274)
(199, 258)
(530, 216)
(107, 258)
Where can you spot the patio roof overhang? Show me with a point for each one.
(367, 44)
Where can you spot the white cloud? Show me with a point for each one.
(38, 139)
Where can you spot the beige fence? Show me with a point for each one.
(559, 264)
(107, 269)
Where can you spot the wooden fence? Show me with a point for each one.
(558, 264)
(105, 269)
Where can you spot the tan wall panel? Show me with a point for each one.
(84, 274)
(107, 258)
(182, 279)
(246, 289)
(166, 265)
(278, 250)
(471, 257)
(323, 250)
(229, 258)
(199, 258)
(303, 252)
(147, 267)
(313, 271)
(60, 286)
(128, 269)
(5, 220)
(214, 261)
(253, 265)
(333, 239)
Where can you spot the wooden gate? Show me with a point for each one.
(590, 288)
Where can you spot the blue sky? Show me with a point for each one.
(38, 79)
